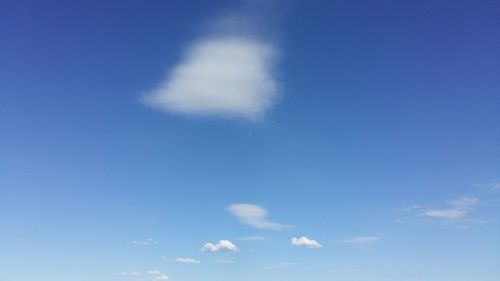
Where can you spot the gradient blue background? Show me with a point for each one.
(386, 104)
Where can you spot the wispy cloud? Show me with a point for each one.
(147, 242)
(489, 187)
(151, 275)
(456, 213)
(156, 275)
(360, 240)
(303, 241)
(187, 260)
(457, 209)
(221, 246)
(254, 216)
(224, 74)
(132, 274)
(252, 238)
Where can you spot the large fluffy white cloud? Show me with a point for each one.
(303, 241)
(253, 215)
(222, 246)
(227, 76)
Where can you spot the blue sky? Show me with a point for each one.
(242, 140)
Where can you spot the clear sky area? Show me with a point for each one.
(250, 140)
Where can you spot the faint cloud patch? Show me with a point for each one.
(456, 213)
(254, 216)
(457, 209)
(151, 275)
(187, 261)
(156, 275)
(252, 238)
(360, 240)
(147, 242)
(135, 275)
(491, 187)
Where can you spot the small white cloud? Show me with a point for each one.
(147, 242)
(360, 240)
(305, 242)
(187, 261)
(458, 209)
(229, 76)
(254, 216)
(222, 246)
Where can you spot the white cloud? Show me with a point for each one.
(187, 260)
(305, 242)
(253, 215)
(360, 240)
(457, 209)
(222, 246)
(146, 242)
(229, 76)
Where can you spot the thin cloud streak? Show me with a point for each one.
(187, 261)
(491, 187)
(151, 275)
(458, 209)
(147, 242)
(360, 240)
